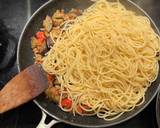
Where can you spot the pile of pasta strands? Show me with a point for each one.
(106, 60)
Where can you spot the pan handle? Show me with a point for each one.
(42, 122)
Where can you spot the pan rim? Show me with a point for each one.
(157, 108)
(72, 123)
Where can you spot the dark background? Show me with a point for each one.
(13, 16)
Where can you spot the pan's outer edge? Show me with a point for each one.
(97, 126)
(158, 109)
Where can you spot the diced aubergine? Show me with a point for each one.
(53, 93)
(47, 23)
(76, 11)
(43, 49)
(49, 43)
(59, 14)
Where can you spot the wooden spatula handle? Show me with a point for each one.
(23, 87)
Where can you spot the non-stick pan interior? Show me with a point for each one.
(25, 58)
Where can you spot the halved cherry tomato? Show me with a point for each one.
(40, 36)
(66, 103)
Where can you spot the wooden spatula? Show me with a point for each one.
(23, 87)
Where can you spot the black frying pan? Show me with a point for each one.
(158, 109)
(25, 58)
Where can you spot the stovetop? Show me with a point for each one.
(13, 16)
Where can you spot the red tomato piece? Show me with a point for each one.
(79, 109)
(40, 40)
(40, 37)
(66, 103)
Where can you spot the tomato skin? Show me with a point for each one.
(80, 110)
(40, 36)
(66, 103)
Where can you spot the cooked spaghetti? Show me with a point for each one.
(104, 61)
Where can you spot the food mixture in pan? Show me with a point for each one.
(52, 28)
(100, 61)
